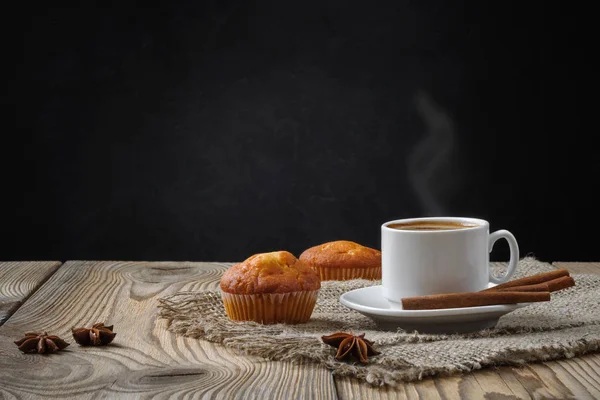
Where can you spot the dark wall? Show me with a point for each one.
(216, 130)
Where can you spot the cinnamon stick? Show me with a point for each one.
(560, 283)
(550, 286)
(531, 280)
(471, 299)
(539, 287)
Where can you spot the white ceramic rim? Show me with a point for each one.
(480, 224)
(425, 313)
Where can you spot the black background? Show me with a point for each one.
(216, 130)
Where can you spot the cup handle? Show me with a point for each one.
(514, 254)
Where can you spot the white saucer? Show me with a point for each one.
(370, 302)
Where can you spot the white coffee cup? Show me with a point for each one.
(417, 262)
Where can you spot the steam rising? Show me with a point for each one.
(431, 154)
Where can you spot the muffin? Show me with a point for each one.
(270, 288)
(343, 260)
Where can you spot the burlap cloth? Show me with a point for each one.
(567, 326)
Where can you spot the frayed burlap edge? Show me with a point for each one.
(292, 343)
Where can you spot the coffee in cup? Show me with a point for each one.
(433, 225)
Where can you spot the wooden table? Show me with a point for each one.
(147, 361)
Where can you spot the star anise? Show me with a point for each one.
(40, 342)
(350, 344)
(97, 335)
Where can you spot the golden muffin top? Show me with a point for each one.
(276, 272)
(342, 254)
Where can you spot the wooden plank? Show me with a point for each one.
(577, 378)
(579, 267)
(466, 386)
(581, 375)
(18, 280)
(145, 360)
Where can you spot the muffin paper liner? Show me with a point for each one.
(270, 308)
(344, 274)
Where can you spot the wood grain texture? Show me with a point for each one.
(18, 280)
(145, 360)
(577, 378)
